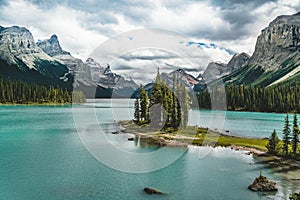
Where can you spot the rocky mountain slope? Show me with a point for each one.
(46, 63)
(238, 61)
(22, 59)
(213, 71)
(187, 79)
(17, 44)
(89, 73)
(216, 70)
(276, 57)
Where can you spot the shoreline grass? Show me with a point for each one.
(198, 136)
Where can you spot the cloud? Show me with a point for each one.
(218, 27)
(65, 22)
(92, 21)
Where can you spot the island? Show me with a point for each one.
(192, 135)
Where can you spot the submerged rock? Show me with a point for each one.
(152, 191)
(263, 184)
(295, 196)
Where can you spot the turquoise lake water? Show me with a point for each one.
(42, 156)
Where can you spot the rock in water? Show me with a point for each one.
(152, 191)
(263, 184)
(295, 196)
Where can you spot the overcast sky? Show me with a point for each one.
(221, 27)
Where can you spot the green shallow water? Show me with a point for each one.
(42, 157)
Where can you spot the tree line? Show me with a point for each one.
(290, 141)
(163, 106)
(279, 98)
(24, 93)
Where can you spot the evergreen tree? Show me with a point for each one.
(185, 106)
(144, 101)
(174, 105)
(166, 105)
(279, 98)
(295, 139)
(24, 93)
(156, 101)
(286, 135)
(137, 110)
(273, 144)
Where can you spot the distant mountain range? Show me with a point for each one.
(276, 59)
(46, 63)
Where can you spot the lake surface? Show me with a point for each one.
(249, 124)
(42, 156)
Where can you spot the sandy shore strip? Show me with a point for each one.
(248, 149)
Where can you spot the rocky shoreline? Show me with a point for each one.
(182, 141)
(284, 168)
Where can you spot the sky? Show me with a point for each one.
(210, 30)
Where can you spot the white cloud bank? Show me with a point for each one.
(82, 26)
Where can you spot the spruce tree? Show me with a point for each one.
(156, 101)
(286, 135)
(273, 143)
(185, 107)
(295, 139)
(174, 105)
(144, 105)
(137, 110)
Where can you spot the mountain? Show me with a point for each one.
(238, 61)
(46, 63)
(90, 76)
(22, 59)
(213, 71)
(187, 79)
(52, 46)
(17, 44)
(76, 66)
(216, 70)
(276, 57)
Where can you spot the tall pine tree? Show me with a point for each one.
(156, 101)
(144, 105)
(286, 135)
(137, 110)
(295, 139)
(174, 105)
(273, 144)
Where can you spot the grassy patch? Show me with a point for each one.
(197, 136)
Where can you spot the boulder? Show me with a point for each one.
(263, 184)
(152, 191)
(295, 196)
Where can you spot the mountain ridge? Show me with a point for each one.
(276, 55)
(275, 60)
(26, 60)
